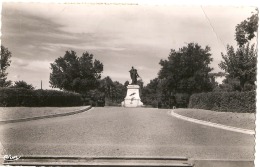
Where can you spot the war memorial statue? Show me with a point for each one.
(134, 75)
(132, 98)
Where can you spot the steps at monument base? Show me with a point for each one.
(132, 103)
(102, 161)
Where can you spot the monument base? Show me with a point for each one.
(132, 98)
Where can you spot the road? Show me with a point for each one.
(119, 131)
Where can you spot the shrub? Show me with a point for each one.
(225, 101)
(11, 97)
(22, 84)
(182, 100)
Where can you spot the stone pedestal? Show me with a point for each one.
(132, 98)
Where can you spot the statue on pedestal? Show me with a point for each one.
(134, 75)
(132, 98)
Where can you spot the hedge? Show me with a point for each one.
(12, 97)
(243, 102)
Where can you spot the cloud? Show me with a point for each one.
(82, 46)
(19, 63)
(34, 65)
(118, 36)
(16, 77)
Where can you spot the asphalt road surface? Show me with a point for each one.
(119, 131)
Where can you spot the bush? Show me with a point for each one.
(112, 103)
(244, 102)
(11, 97)
(182, 100)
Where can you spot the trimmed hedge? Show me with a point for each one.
(243, 102)
(12, 97)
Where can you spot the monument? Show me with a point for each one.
(132, 98)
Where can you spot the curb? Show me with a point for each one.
(107, 157)
(102, 161)
(45, 116)
(215, 125)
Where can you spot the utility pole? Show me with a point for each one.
(41, 84)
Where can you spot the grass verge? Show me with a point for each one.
(239, 120)
(12, 113)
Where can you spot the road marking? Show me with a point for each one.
(215, 125)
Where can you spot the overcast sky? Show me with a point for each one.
(119, 36)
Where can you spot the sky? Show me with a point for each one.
(120, 36)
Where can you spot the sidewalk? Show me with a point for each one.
(239, 120)
(18, 114)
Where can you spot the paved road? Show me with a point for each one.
(124, 132)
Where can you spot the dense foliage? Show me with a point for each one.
(114, 91)
(4, 64)
(187, 70)
(151, 93)
(225, 101)
(73, 73)
(10, 97)
(109, 93)
(22, 84)
(246, 30)
(240, 64)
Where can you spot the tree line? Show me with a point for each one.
(185, 72)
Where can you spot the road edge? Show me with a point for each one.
(215, 125)
(45, 116)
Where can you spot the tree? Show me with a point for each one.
(141, 84)
(114, 91)
(187, 70)
(73, 73)
(22, 84)
(126, 83)
(151, 94)
(240, 64)
(246, 30)
(105, 85)
(118, 92)
(228, 85)
(4, 64)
